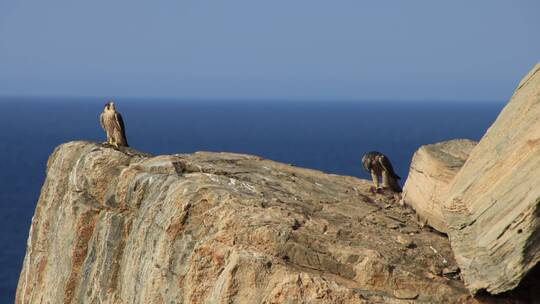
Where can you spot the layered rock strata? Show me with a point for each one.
(118, 226)
(432, 169)
(493, 204)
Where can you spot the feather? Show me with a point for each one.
(101, 122)
(387, 166)
(121, 127)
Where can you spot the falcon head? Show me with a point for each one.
(109, 106)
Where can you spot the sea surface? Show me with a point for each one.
(329, 136)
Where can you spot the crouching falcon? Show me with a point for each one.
(113, 124)
(377, 164)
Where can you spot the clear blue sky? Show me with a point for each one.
(460, 50)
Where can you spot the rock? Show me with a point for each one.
(435, 269)
(432, 169)
(492, 206)
(450, 270)
(405, 241)
(118, 226)
(405, 294)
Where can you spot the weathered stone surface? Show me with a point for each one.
(432, 169)
(121, 227)
(493, 203)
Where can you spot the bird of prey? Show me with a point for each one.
(377, 164)
(113, 124)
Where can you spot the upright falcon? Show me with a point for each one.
(377, 164)
(113, 124)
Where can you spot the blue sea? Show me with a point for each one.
(329, 136)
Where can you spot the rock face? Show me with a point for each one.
(123, 227)
(493, 203)
(432, 169)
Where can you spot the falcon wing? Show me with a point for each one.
(101, 122)
(365, 162)
(387, 166)
(120, 123)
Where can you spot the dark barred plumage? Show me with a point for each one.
(113, 124)
(378, 165)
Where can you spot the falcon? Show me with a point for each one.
(378, 165)
(113, 124)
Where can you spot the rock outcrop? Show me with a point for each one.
(432, 169)
(118, 226)
(493, 204)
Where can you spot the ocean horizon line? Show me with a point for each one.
(243, 100)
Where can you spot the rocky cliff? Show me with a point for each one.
(432, 169)
(493, 204)
(119, 226)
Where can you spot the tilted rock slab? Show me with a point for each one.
(432, 169)
(123, 227)
(493, 203)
